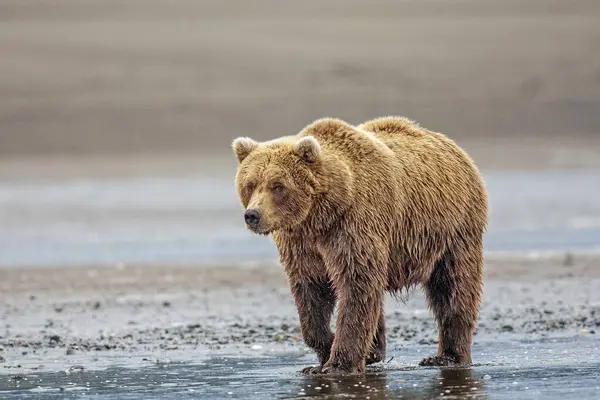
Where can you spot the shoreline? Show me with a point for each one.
(504, 264)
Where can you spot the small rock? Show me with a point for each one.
(166, 304)
(507, 328)
(487, 377)
(585, 331)
(171, 347)
(58, 309)
(70, 351)
(54, 340)
(256, 347)
(97, 305)
(2, 359)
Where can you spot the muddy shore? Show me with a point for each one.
(158, 310)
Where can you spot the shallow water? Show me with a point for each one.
(195, 218)
(551, 369)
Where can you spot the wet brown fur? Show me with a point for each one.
(356, 211)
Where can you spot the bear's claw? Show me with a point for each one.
(312, 370)
(438, 361)
(374, 357)
(325, 370)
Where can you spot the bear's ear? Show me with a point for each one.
(243, 146)
(308, 149)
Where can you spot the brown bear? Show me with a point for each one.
(357, 211)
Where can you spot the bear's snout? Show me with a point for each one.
(252, 217)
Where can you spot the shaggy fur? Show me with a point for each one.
(358, 211)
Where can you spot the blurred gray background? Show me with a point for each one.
(147, 76)
(116, 117)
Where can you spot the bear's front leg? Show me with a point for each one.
(315, 302)
(358, 317)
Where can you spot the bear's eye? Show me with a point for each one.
(277, 187)
(250, 187)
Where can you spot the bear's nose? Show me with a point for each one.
(252, 217)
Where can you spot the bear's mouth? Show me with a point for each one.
(259, 230)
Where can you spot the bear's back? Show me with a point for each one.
(438, 178)
(420, 150)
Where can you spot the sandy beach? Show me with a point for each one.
(113, 78)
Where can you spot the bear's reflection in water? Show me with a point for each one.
(448, 383)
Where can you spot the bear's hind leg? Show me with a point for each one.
(454, 294)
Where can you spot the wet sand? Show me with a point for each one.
(232, 331)
(143, 309)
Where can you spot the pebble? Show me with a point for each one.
(54, 340)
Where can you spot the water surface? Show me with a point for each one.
(195, 218)
(552, 369)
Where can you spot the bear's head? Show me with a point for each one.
(277, 181)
